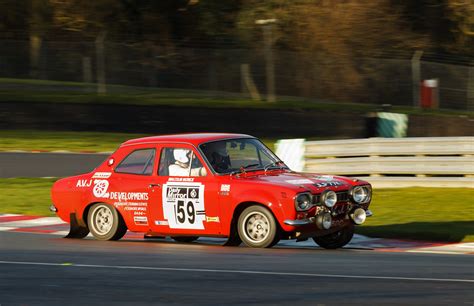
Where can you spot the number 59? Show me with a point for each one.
(181, 212)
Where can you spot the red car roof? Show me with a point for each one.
(192, 138)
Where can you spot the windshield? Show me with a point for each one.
(246, 154)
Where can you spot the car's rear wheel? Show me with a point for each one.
(336, 240)
(105, 223)
(184, 239)
(257, 227)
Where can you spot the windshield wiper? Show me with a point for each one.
(243, 168)
(276, 164)
(249, 166)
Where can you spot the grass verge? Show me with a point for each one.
(433, 214)
(28, 196)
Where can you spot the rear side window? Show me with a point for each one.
(138, 162)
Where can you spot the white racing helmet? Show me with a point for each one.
(181, 155)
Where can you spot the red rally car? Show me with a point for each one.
(217, 185)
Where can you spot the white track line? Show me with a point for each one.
(6, 229)
(34, 222)
(467, 245)
(423, 279)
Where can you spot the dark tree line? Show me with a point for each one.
(445, 26)
(323, 48)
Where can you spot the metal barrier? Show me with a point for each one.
(394, 162)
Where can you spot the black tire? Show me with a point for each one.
(105, 223)
(336, 240)
(184, 239)
(257, 227)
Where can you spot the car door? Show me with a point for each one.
(184, 198)
(128, 187)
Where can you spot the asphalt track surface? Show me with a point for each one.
(49, 270)
(15, 164)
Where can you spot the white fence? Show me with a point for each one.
(389, 162)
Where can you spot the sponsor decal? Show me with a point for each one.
(181, 179)
(327, 184)
(138, 208)
(140, 220)
(102, 175)
(300, 181)
(160, 222)
(225, 190)
(125, 196)
(225, 187)
(324, 177)
(183, 205)
(131, 202)
(100, 188)
(212, 219)
(83, 183)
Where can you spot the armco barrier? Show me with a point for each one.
(392, 162)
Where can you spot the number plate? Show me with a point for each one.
(183, 205)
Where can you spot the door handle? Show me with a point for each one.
(154, 185)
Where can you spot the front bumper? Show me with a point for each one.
(298, 222)
(303, 222)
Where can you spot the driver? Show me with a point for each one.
(182, 165)
(216, 153)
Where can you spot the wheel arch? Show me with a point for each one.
(244, 205)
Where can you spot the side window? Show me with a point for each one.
(180, 162)
(138, 162)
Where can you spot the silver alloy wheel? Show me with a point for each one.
(102, 220)
(256, 226)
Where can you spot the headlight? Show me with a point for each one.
(329, 198)
(358, 216)
(324, 220)
(360, 194)
(303, 201)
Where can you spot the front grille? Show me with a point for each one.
(342, 196)
(342, 209)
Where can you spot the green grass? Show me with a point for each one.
(437, 214)
(69, 141)
(29, 196)
(433, 214)
(26, 90)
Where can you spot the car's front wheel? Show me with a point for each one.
(105, 223)
(257, 227)
(336, 240)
